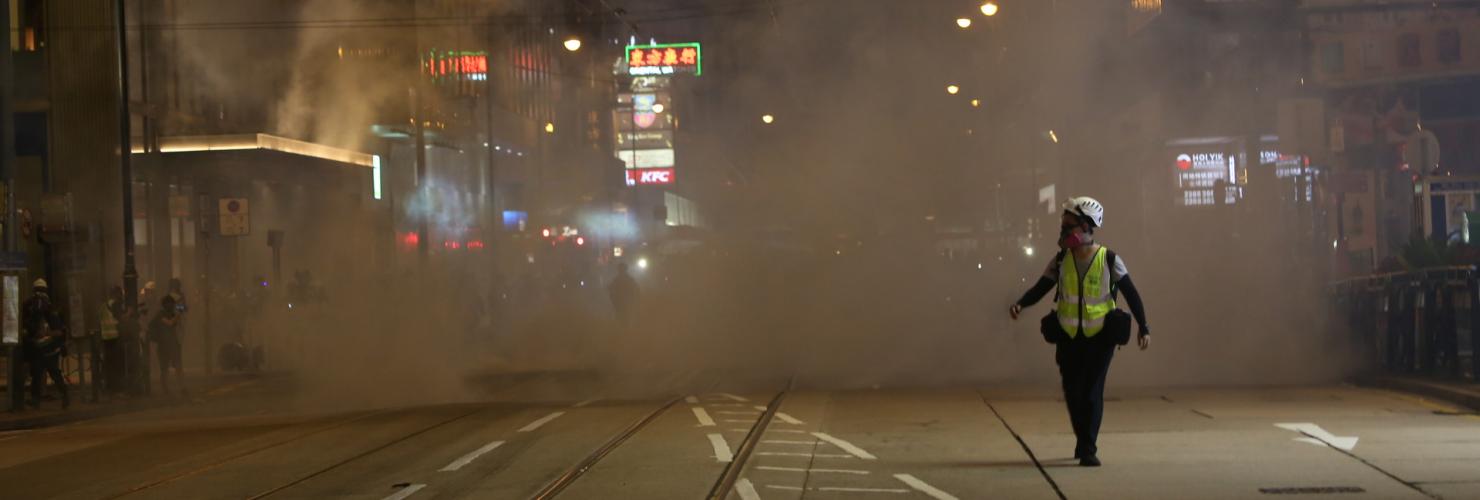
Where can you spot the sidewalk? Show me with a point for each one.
(1463, 393)
(52, 414)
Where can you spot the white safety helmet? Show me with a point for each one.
(1085, 206)
(39, 283)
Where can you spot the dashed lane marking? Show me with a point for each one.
(470, 457)
(783, 441)
(736, 412)
(923, 487)
(813, 455)
(722, 451)
(541, 422)
(583, 404)
(799, 469)
(734, 397)
(691, 400)
(405, 492)
(703, 417)
(846, 446)
(746, 490)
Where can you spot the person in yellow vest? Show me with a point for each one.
(1088, 277)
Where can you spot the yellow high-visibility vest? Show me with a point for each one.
(108, 325)
(1083, 305)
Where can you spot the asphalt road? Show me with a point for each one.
(258, 440)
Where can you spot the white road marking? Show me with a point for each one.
(799, 469)
(728, 404)
(703, 416)
(542, 421)
(781, 487)
(406, 492)
(583, 404)
(846, 446)
(734, 397)
(923, 487)
(1314, 434)
(691, 400)
(863, 490)
(746, 490)
(722, 451)
(470, 457)
(734, 412)
(788, 419)
(783, 441)
(738, 421)
(816, 455)
(787, 431)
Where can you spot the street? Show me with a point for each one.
(941, 443)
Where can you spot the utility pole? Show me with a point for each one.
(125, 150)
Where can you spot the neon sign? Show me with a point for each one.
(649, 176)
(456, 65)
(665, 59)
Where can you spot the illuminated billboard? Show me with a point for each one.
(649, 176)
(664, 59)
(455, 65)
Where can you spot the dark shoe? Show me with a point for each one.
(1089, 461)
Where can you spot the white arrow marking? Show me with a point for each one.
(1314, 434)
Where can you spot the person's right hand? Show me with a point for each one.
(1014, 310)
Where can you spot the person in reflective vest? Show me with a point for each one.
(110, 319)
(1088, 277)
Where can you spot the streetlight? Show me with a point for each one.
(550, 127)
(963, 22)
(952, 89)
(989, 9)
(572, 44)
(658, 108)
(1053, 136)
(976, 103)
(767, 119)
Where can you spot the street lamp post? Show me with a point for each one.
(125, 167)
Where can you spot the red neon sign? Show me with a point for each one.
(669, 59)
(465, 65)
(649, 176)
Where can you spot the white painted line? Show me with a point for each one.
(406, 492)
(781, 487)
(583, 404)
(846, 446)
(1314, 434)
(787, 431)
(722, 451)
(788, 419)
(734, 397)
(863, 490)
(542, 421)
(691, 400)
(799, 469)
(746, 490)
(703, 416)
(814, 455)
(730, 404)
(470, 457)
(923, 487)
(735, 412)
(783, 441)
(738, 421)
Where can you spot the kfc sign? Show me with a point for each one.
(649, 176)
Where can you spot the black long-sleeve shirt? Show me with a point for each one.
(1132, 297)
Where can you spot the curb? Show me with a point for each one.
(115, 408)
(1454, 393)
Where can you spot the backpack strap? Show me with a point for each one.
(1110, 261)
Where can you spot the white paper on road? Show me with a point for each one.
(1314, 434)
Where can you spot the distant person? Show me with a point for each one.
(164, 334)
(111, 325)
(146, 295)
(1087, 326)
(624, 292)
(44, 343)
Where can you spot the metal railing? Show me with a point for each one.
(1423, 322)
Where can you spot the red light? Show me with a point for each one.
(580, 240)
(475, 245)
(411, 239)
(451, 245)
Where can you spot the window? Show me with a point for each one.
(1409, 53)
(1333, 58)
(1448, 46)
(1371, 54)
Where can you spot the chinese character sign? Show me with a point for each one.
(664, 59)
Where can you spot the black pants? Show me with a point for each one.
(41, 366)
(168, 354)
(113, 365)
(1083, 365)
